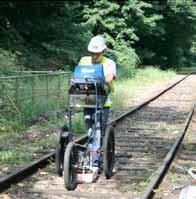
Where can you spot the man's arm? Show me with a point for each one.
(111, 71)
(109, 78)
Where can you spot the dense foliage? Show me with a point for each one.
(46, 35)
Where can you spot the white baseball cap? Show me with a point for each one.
(97, 44)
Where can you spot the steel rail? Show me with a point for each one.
(163, 168)
(6, 182)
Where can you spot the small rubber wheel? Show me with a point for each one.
(108, 152)
(60, 150)
(70, 160)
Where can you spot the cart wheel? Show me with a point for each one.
(60, 149)
(70, 160)
(108, 152)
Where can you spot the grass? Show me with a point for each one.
(53, 122)
(78, 126)
(21, 148)
(15, 145)
(187, 69)
(128, 88)
(22, 99)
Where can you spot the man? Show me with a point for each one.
(97, 47)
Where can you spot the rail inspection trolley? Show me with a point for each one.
(76, 162)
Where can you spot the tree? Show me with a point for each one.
(122, 23)
(180, 20)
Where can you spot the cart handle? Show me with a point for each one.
(94, 79)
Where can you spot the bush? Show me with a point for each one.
(127, 60)
(8, 61)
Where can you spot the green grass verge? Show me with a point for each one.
(125, 90)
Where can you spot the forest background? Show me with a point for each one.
(53, 35)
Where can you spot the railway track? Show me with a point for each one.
(181, 174)
(144, 136)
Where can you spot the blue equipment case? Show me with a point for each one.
(82, 92)
(81, 72)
